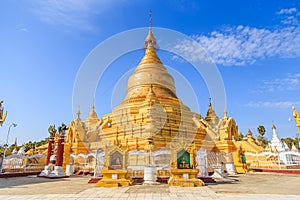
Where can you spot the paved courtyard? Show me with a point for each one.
(243, 186)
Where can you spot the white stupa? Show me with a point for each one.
(294, 148)
(14, 151)
(275, 142)
(286, 147)
(21, 151)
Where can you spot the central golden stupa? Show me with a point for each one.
(151, 126)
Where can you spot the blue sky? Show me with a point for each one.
(254, 44)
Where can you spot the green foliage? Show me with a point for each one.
(290, 142)
(12, 147)
(261, 130)
(261, 139)
(8, 151)
(27, 146)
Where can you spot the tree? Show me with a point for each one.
(290, 142)
(8, 152)
(261, 131)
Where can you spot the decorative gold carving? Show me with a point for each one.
(2, 114)
(297, 118)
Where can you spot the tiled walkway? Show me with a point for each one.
(149, 192)
(250, 186)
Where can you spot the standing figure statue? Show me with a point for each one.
(62, 129)
(297, 118)
(2, 114)
(52, 130)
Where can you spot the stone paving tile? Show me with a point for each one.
(155, 196)
(138, 192)
(258, 196)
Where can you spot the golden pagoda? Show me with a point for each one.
(151, 126)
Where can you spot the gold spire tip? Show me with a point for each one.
(150, 19)
(150, 39)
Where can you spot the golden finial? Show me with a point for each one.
(225, 114)
(249, 132)
(150, 46)
(150, 39)
(150, 20)
(273, 126)
(78, 113)
(93, 106)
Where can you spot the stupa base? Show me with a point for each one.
(57, 172)
(46, 171)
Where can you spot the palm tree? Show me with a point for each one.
(261, 130)
(262, 141)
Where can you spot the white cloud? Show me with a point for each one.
(241, 45)
(289, 83)
(71, 13)
(287, 11)
(291, 20)
(269, 104)
(24, 29)
(289, 16)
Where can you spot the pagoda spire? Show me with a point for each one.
(150, 46)
(93, 106)
(150, 70)
(210, 110)
(225, 114)
(92, 118)
(78, 113)
(150, 41)
(211, 116)
(273, 126)
(16, 145)
(150, 20)
(250, 136)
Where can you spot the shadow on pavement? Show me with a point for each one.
(18, 181)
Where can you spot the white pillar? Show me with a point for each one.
(149, 175)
